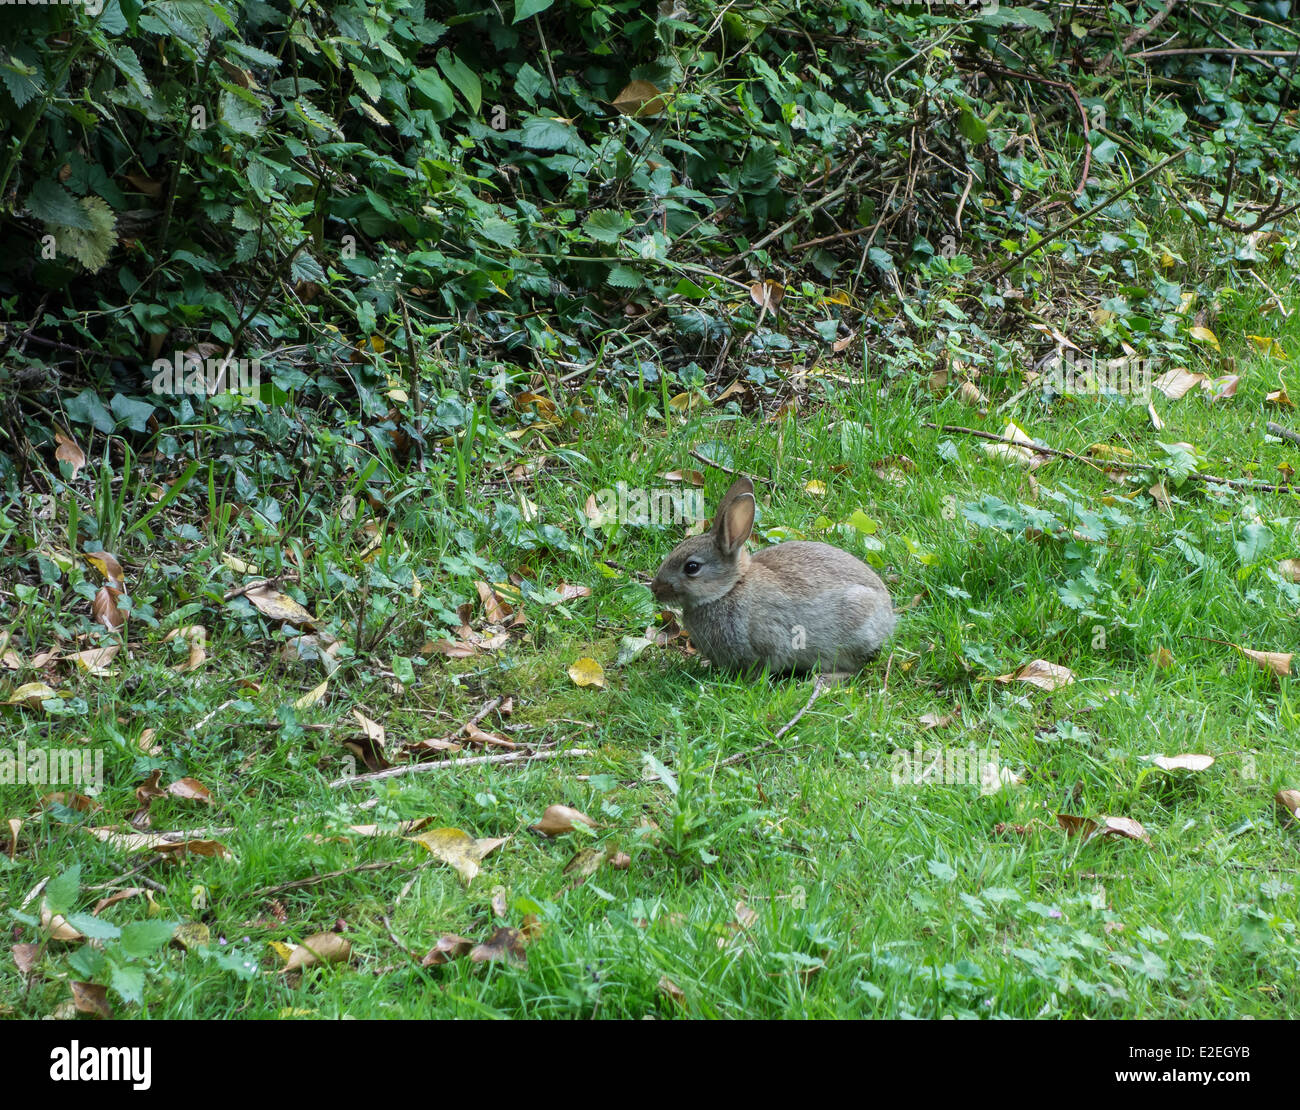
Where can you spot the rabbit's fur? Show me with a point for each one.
(792, 607)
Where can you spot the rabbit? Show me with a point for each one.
(791, 608)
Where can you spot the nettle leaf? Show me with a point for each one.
(366, 81)
(624, 277)
(1001, 17)
(52, 203)
(61, 891)
(499, 231)
(91, 247)
(21, 79)
(239, 115)
(144, 938)
(605, 225)
(251, 54)
(129, 66)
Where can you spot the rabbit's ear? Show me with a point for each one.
(735, 521)
(739, 488)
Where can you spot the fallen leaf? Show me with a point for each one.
(669, 989)
(311, 697)
(25, 956)
(1089, 827)
(90, 998)
(104, 609)
(1277, 662)
(766, 294)
(67, 451)
(197, 637)
(1014, 434)
(1175, 383)
(326, 948)
(454, 847)
(1162, 657)
(108, 567)
(587, 672)
(1222, 388)
(690, 477)
(560, 819)
(497, 611)
(279, 607)
(640, 98)
(935, 720)
(1289, 800)
(31, 694)
(449, 947)
(190, 789)
(504, 944)
(1040, 673)
(1289, 569)
(1204, 335)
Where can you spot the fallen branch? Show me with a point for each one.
(1108, 464)
(313, 880)
(1285, 433)
(466, 761)
(1058, 232)
(820, 685)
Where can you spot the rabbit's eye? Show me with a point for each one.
(692, 567)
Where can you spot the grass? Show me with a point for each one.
(799, 882)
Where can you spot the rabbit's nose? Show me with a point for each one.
(657, 588)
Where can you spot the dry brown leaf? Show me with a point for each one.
(190, 789)
(767, 294)
(690, 477)
(1089, 827)
(25, 957)
(498, 612)
(671, 990)
(1162, 657)
(505, 943)
(640, 98)
(95, 661)
(197, 637)
(67, 451)
(449, 947)
(108, 567)
(1289, 800)
(279, 607)
(104, 609)
(1040, 673)
(1289, 569)
(90, 998)
(1177, 382)
(928, 721)
(1276, 661)
(1221, 389)
(326, 948)
(560, 819)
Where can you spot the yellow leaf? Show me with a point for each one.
(31, 694)
(454, 847)
(311, 697)
(1204, 335)
(587, 672)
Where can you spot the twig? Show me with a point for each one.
(1135, 37)
(240, 591)
(1108, 464)
(695, 454)
(820, 686)
(1285, 433)
(1240, 51)
(1083, 115)
(313, 880)
(1058, 232)
(468, 761)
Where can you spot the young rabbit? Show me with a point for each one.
(792, 607)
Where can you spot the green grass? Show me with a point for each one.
(862, 897)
